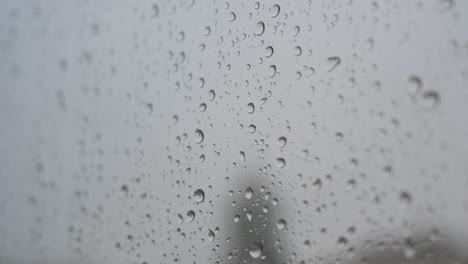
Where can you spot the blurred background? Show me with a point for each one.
(201, 131)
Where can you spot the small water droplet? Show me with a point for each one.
(405, 198)
(429, 99)
(202, 107)
(180, 219)
(249, 215)
(415, 85)
(242, 156)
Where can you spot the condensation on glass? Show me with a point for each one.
(195, 131)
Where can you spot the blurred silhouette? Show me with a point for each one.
(255, 217)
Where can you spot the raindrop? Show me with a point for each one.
(199, 196)
(297, 51)
(248, 193)
(260, 28)
(281, 224)
(415, 84)
(275, 10)
(429, 99)
(272, 71)
(211, 235)
(269, 51)
(405, 198)
(280, 163)
(249, 215)
(211, 95)
(232, 17)
(190, 216)
(202, 107)
(252, 128)
(282, 141)
(296, 31)
(250, 108)
(199, 136)
(180, 219)
(255, 251)
(236, 218)
(242, 156)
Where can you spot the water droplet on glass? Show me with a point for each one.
(199, 136)
(255, 251)
(272, 71)
(242, 156)
(415, 85)
(269, 51)
(249, 215)
(211, 235)
(190, 216)
(199, 196)
(252, 128)
(275, 10)
(236, 218)
(405, 198)
(280, 163)
(180, 219)
(282, 141)
(232, 17)
(429, 99)
(250, 108)
(297, 51)
(211, 95)
(281, 224)
(260, 28)
(248, 193)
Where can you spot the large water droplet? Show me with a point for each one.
(275, 10)
(190, 216)
(260, 28)
(248, 193)
(269, 51)
(282, 141)
(199, 136)
(272, 71)
(199, 196)
(281, 224)
(211, 235)
(250, 108)
(280, 163)
(255, 251)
